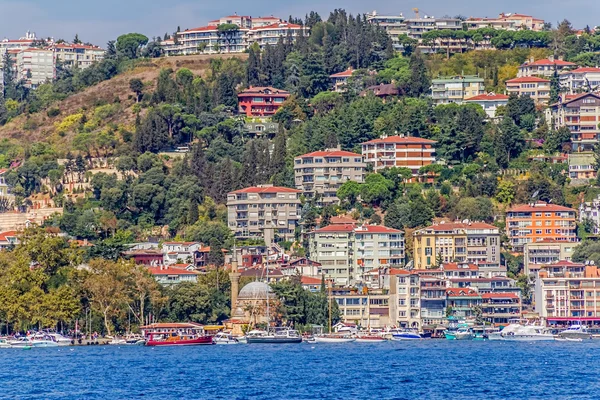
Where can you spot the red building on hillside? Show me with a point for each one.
(261, 101)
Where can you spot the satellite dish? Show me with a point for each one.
(533, 196)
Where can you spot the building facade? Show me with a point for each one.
(394, 25)
(545, 252)
(78, 55)
(581, 114)
(397, 151)
(261, 101)
(489, 102)
(456, 89)
(321, 173)
(36, 66)
(339, 81)
(472, 243)
(545, 67)
(582, 167)
(536, 88)
(252, 210)
(538, 221)
(580, 80)
(589, 211)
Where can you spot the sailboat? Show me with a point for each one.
(275, 336)
(333, 337)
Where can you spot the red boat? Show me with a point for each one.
(177, 339)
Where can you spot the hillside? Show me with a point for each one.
(38, 127)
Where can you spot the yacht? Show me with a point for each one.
(43, 340)
(406, 334)
(224, 338)
(4, 344)
(462, 333)
(20, 342)
(60, 339)
(576, 332)
(279, 336)
(528, 333)
(333, 338)
(513, 326)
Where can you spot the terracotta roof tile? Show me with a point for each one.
(401, 140)
(266, 189)
(488, 97)
(330, 153)
(539, 207)
(526, 79)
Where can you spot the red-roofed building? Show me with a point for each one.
(529, 223)
(536, 88)
(457, 270)
(321, 173)
(499, 307)
(545, 67)
(523, 21)
(310, 283)
(462, 301)
(174, 274)
(581, 114)
(8, 239)
(489, 102)
(264, 211)
(545, 252)
(579, 80)
(398, 151)
(340, 80)
(261, 101)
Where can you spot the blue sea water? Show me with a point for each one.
(430, 369)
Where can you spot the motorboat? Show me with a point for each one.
(44, 340)
(134, 338)
(334, 338)
(4, 344)
(178, 339)
(241, 339)
(576, 332)
(463, 333)
(117, 342)
(278, 336)
(224, 338)
(370, 339)
(528, 333)
(60, 339)
(20, 342)
(561, 339)
(405, 334)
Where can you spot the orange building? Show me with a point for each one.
(530, 223)
(261, 101)
(399, 151)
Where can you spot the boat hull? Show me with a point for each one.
(406, 336)
(43, 344)
(575, 335)
(204, 340)
(529, 338)
(334, 340)
(274, 340)
(370, 340)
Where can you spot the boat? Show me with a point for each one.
(224, 338)
(405, 334)
(370, 339)
(576, 332)
(277, 336)
(334, 338)
(20, 342)
(117, 341)
(178, 339)
(528, 333)
(462, 333)
(4, 344)
(43, 340)
(561, 339)
(60, 339)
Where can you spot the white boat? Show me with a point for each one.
(224, 338)
(463, 334)
(42, 339)
(334, 339)
(513, 326)
(560, 339)
(4, 344)
(528, 333)
(117, 342)
(20, 342)
(576, 332)
(405, 334)
(60, 339)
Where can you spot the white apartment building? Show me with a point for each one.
(36, 66)
(323, 172)
(456, 89)
(78, 55)
(580, 80)
(545, 252)
(489, 102)
(394, 25)
(536, 88)
(347, 251)
(544, 67)
(253, 210)
(590, 211)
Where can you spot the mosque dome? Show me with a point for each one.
(255, 291)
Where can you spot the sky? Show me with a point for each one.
(101, 21)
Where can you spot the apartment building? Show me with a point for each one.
(456, 89)
(584, 79)
(36, 66)
(432, 300)
(590, 211)
(252, 210)
(321, 173)
(366, 309)
(489, 102)
(499, 308)
(77, 55)
(545, 252)
(347, 251)
(501, 24)
(399, 151)
(466, 243)
(568, 292)
(529, 223)
(185, 252)
(209, 40)
(394, 25)
(545, 67)
(261, 101)
(536, 88)
(582, 167)
(339, 81)
(581, 114)
(463, 301)
(416, 27)
(523, 21)
(22, 43)
(405, 302)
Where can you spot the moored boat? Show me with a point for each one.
(4, 344)
(406, 334)
(370, 339)
(528, 333)
(224, 338)
(279, 336)
(178, 339)
(333, 338)
(576, 332)
(460, 334)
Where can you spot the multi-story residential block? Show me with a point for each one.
(416, 27)
(463, 302)
(466, 243)
(590, 211)
(531, 223)
(523, 21)
(36, 66)
(582, 167)
(568, 292)
(398, 151)
(321, 173)
(581, 114)
(394, 25)
(500, 23)
(370, 309)
(536, 88)
(185, 252)
(210, 40)
(347, 251)
(432, 300)
(261, 101)
(544, 252)
(489, 102)
(22, 43)
(252, 210)
(174, 274)
(456, 89)
(545, 67)
(498, 308)
(77, 55)
(339, 81)
(405, 302)
(584, 79)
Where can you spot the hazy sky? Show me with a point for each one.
(100, 21)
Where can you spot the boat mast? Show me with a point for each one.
(329, 301)
(268, 310)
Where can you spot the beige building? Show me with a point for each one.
(321, 173)
(78, 55)
(36, 66)
(544, 67)
(456, 89)
(536, 88)
(473, 243)
(581, 114)
(399, 151)
(252, 210)
(544, 252)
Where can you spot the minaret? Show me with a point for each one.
(234, 276)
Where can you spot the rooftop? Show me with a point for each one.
(401, 140)
(546, 61)
(266, 189)
(488, 97)
(539, 206)
(527, 79)
(344, 74)
(330, 153)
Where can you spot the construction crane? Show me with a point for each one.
(416, 11)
